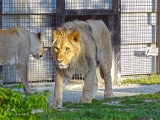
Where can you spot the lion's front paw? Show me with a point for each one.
(85, 100)
(108, 95)
(55, 105)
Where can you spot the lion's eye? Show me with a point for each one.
(56, 49)
(67, 49)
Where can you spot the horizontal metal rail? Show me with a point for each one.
(90, 12)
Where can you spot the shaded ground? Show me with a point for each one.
(73, 90)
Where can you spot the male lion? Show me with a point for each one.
(16, 45)
(80, 47)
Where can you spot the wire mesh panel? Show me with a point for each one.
(29, 6)
(88, 4)
(158, 37)
(35, 16)
(138, 31)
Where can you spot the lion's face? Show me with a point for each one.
(65, 48)
(39, 47)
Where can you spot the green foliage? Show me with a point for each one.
(153, 79)
(15, 106)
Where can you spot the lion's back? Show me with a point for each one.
(102, 38)
(10, 42)
(13, 34)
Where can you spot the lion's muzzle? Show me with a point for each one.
(39, 56)
(61, 65)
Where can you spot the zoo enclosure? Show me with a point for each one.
(132, 25)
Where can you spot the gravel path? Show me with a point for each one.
(73, 90)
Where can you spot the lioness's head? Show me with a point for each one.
(65, 47)
(38, 46)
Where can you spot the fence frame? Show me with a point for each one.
(158, 37)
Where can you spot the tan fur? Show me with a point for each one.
(16, 44)
(80, 47)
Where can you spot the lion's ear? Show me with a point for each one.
(56, 33)
(40, 35)
(75, 36)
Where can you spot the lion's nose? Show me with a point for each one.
(40, 56)
(60, 61)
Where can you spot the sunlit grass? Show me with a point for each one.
(144, 106)
(153, 79)
(138, 107)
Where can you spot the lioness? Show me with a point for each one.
(80, 47)
(16, 45)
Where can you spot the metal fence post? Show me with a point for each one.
(117, 41)
(158, 37)
(0, 14)
(1, 28)
(60, 9)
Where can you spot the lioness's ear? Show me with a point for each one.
(75, 36)
(40, 35)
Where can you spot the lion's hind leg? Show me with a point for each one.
(22, 71)
(106, 75)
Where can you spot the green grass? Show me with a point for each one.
(139, 107)
(153, 79)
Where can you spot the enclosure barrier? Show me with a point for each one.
(132, 25)
(45, 16)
